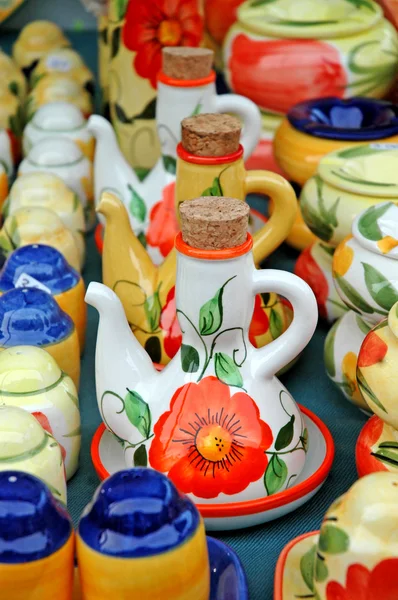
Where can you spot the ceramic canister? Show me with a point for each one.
(29, 316)
(64, 60)
(34, 41)
(36, 541)
(44, 267)
(58, 87)
(26, 446)
(13, 76)
(138, 523)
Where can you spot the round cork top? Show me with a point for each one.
(182, 62)
(214, 222)
(210, 134)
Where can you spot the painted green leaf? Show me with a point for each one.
(290, 23)
(353, 296)
(73, 433)
(321, 570)
(13, 87)
(367, 224)
(255, 3)
(141, 457)
(137, 205)
(285, 435)
(73, 398)
(76, 203)
(360, 181)
(153, 309)
(367, 393)
(142, 172)
(275, 324)
(211, 313)
(5, 245)
(142, 239)
(115, 41)
(138, 412)
(226, 370)
(148, 112)
(362, 3)
(381, 290)
(304, 439)
(389, 457)
(214, 190)
(364, 327)
(121, 7)
(328, 351)
(333, 540)
(315, 222)
(170, 164)
(328, 249)
(189, 359)
(356, 151)
(121, 114)
(197, 109)
(154, 349)
(275, 475)
(307, 567)
(53, 490)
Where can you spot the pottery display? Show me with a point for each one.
(26, 446)
(9, 151)
(46, 268)
(31, 379)
(103, 61)
(36, 540)
(34, 41)
(31, 225)
(58, 87)
(31, 316)
(12, 119)
(61, 156)
(64, 60)
(12, 76)
(354, 555)
(59, 119)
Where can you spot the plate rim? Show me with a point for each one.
(243, 586)
(281, 562)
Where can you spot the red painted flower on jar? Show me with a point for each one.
(309, 270)
(169, 324)
(45, 423)
(211, 442)
(373, 350)
(152, 24)
(363, 584)
(276, 74)
(260, 321)
(163, 225)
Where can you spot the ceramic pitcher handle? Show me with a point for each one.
(272, 358)
(248, 112)
(278, 227)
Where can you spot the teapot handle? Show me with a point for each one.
(284, 212)
(272, 358)
(248, 112)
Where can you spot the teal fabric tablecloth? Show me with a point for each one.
(258, 547)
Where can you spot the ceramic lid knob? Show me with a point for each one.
(44, 263)
(137, 513)
(32, 524)
(12, 421)
(32, 316)
(376, 229)
(210, 134)
(184, 62)
(58, 116)
(27, 369)
(52, 152)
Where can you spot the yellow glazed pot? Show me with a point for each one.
(12, 119)
(58, 87)
(12, 76)
(66, 61)
(34, 41)
(103, 62)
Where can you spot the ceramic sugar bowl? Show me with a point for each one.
(59, 119)
(60, 156)
(34, 41)
(31, 379)
(64, 60)
(58, 87)
(26, 446)
(44, 267)
(355, 553)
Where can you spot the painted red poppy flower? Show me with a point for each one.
(372, 351)
(362, 584)
(45, 423)
(260, 321)
(309, 270)
(152, 24)
(163, 225)
(169, 323)
(259, 70)
(210, 442)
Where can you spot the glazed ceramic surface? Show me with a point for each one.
(348, 182)
(104, 51)
(12, 118)
(376, 447)
(58, 87)
(44, 267)
(12, 76)
(8, 7)
(314, 265)
(217, 374)
(31, 379)
(59, 119)
(26, 446)
(60, 156)
(342, 346)
(6, 156)
(46, 190)
(31, 225)
(136, 39)
(34, 41)
(64, 60)
(327, 49)
(3, 184)
(36, 539)
(30, 316)
(354, 554)
(116, 531)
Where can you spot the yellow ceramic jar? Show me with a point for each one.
(34, 41)
(12, 76)
(103, 62)
(58, 87)
(67, 62)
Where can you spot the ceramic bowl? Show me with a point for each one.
(41, 266)
(59, 119)
(61, 156)
(58, 87)
(31, 225)
(46, 190)
(64, 60)
(34, 41)
(26, 446)
(36, 540)
(29, 316)
(31, 379)
(13, 76)
(108, 457)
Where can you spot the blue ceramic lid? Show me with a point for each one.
(137, 512)
(31, 317)
(32, 524)
(45, 264)
(355, 119)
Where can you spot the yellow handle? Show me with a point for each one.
(284, 202)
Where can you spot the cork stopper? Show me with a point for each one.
(182, 62)
(210, 134)
(214, 222)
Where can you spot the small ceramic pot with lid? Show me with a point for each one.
(59, 119)
(58, 87)
(64, 60)
(34, 41)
